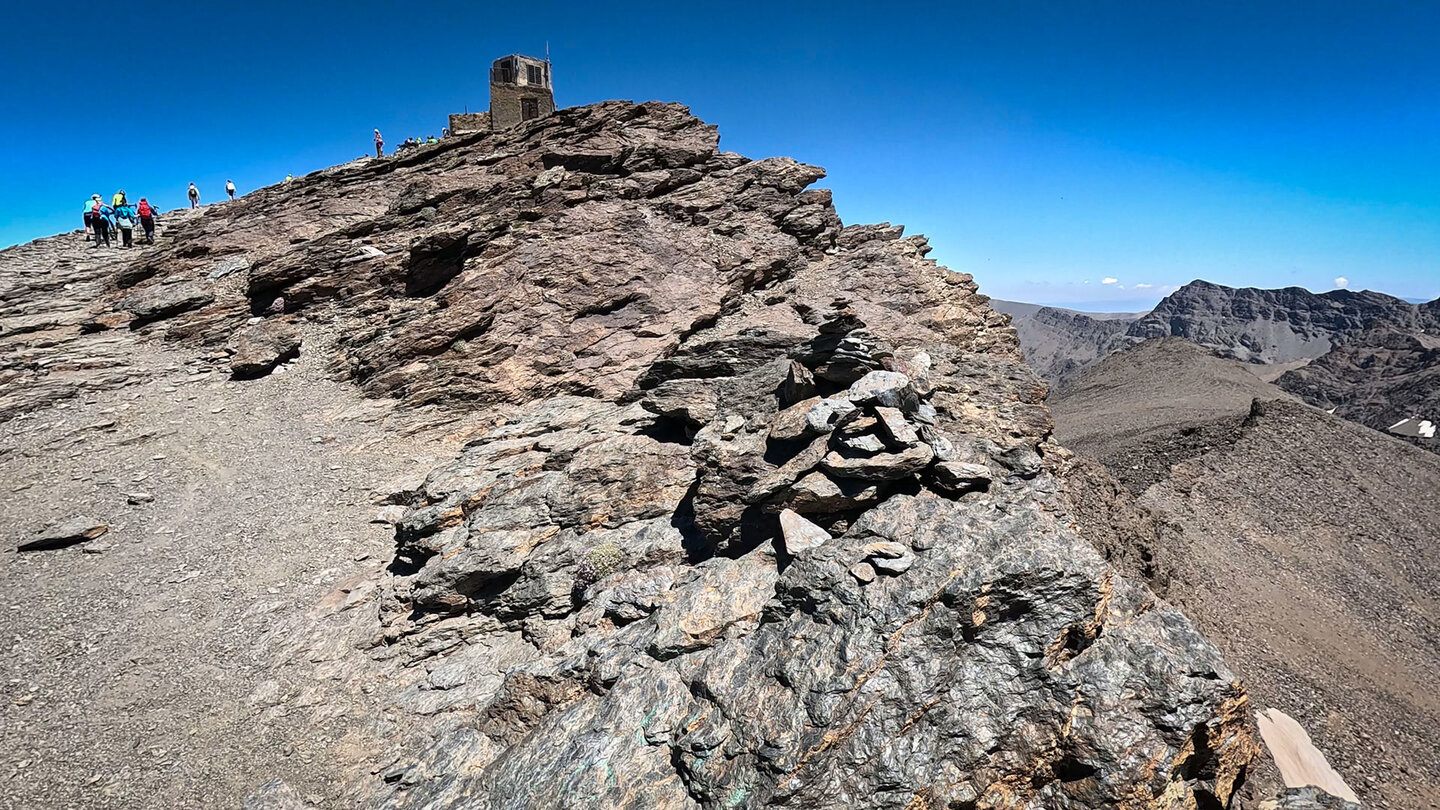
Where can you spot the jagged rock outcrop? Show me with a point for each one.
(1377, 379)
(595, 603)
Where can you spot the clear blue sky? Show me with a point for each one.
(1043, 146)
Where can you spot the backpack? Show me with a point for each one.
(145, 209)
(194, 193)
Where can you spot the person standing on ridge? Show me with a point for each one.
(125, 221)
(90, 214)
(194, 196)
(379, 144)
(118, 200)
(230, 188)
(147, 220)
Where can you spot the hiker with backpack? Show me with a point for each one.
(230, 188)
(147, 220)
(379, 144)
(100, 219)
(118, 200)
(125, 220)
(194, 196)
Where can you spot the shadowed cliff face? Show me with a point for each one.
(765, 514)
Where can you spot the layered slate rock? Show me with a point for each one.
(594, 602)
(671, 634)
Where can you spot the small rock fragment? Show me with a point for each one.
(135, 498)
(799, 385)
(867, 444)
(827, 414)
(863, 572)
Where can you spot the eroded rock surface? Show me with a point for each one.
(593, 604)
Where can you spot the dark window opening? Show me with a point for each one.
(529, 108)
(533, 75)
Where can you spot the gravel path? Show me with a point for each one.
(136, 673)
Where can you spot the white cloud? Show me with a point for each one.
(1109, 280)
(1342, 282)
(1143, 286)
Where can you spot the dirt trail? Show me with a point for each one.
(136, 676)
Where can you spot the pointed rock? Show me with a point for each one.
(800, 534)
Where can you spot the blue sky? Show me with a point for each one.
(1043, 146)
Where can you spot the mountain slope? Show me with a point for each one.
(1303, 543)
(1377, 379)
(752, 509)
(1059, 343)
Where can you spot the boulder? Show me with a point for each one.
(256, 349)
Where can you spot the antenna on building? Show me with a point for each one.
(547, 50)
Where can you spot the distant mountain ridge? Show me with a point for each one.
(1277, 326)
(1371, 357)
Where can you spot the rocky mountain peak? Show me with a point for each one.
(763, 511)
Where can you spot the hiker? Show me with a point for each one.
(90, 214)
(431, 139)
(230, 188)
(118, 200)
(379, 144)
(125, 221)
(147, 220)
(289, 177)
(194, 196)
(444, 132)
(100, 218)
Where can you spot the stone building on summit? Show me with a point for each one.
(520, 90)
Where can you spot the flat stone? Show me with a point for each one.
(960, 475)
(135, 498)
(895, 429)
(889, 549)
(866, 444)
(863, 572)
(800, 534)
(888, 388)
(816, 493)
(879, 467)
(893, 565)
(65, 533)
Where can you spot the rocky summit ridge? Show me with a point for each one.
(763, 509)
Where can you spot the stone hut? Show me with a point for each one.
(520, 90)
